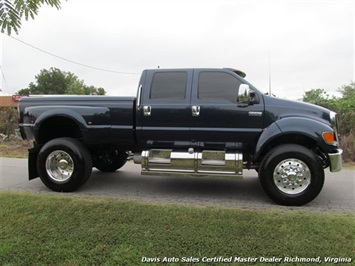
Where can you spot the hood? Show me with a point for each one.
(276, 108)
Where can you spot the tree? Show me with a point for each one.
(348, 92)
(319, 97)
(315, 96)
(55, 81)
(344, 105)
(11, 12)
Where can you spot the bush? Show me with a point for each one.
(347, 143)
(8, 121)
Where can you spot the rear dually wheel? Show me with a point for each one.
(64, 164)
(108, 160)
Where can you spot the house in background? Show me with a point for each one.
(10, 101)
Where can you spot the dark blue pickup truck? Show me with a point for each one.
(195, 122)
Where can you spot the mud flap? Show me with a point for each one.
(32, 163)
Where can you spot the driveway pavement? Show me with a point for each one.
(127, 183)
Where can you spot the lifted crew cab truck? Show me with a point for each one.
(195, 122)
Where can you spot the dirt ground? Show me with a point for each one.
(15, 148)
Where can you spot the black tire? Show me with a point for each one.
(111, 167)
(64, 164)
(291, 175)
(110, 161)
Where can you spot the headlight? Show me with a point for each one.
(329, 137)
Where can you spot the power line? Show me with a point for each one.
(3, 77)
(73, 62)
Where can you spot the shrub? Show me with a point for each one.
(8, 120)
(347, 143)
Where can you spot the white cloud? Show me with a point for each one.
(310, 42)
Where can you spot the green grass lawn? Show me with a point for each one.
(349, 167)
(72, 230)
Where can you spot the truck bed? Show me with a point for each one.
(101, 119)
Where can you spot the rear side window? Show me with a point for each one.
(169, 85)
(218, 85)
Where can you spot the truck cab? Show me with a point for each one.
(198, 108)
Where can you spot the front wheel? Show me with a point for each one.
(64, 164)
(291, 175)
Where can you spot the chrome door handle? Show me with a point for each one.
(147, 110)
(195, 110)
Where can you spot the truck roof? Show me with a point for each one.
(236, 71)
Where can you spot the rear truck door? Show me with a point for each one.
(220, 117)
(164, 109)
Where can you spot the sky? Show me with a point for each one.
(293, 45)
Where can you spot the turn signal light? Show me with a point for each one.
(328, 137)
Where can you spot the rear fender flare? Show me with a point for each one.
(59, 112)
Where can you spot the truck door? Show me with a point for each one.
(220, 117)
(164, 114)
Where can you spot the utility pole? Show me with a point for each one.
(269, 73)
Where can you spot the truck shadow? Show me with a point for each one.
(130, 184)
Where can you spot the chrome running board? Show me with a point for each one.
(206, 163)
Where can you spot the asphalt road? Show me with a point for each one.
(127, 183)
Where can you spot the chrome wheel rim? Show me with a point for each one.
(292, 176)
(59, 166)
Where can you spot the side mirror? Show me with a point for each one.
(246, 95)
(252, 97)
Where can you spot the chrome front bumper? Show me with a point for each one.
(336, 161)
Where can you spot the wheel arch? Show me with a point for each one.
(54, 124)
(286, 138)
(293, 130)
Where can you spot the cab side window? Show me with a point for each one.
(169, 85)
(218, 85)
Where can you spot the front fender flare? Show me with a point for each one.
(268, 135)
(306, 127)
